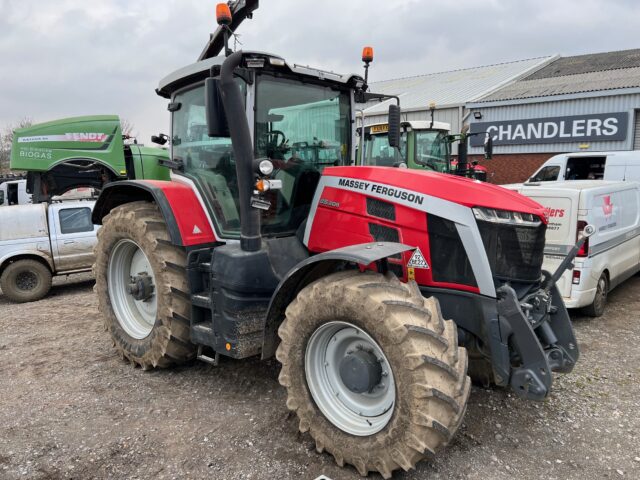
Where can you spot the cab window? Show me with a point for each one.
(547, 174)
(75, 220)
(585, 168)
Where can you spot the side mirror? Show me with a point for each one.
(160, 139)
(217, 125)
(488, 147)
(394, 126)
(1, 197)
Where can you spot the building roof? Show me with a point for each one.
(577, 74)
(452, 88)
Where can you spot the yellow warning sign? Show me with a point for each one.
(384, 128)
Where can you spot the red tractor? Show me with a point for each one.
(266, 241)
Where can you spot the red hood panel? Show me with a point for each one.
(464, 191)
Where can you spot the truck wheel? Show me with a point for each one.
(142, 289)
(372, 370)
(26, 281)
(596, 309)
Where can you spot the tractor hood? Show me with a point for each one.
(464, 191)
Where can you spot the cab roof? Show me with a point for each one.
(200, 70)
(418, 125)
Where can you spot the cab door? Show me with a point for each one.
(73, 236)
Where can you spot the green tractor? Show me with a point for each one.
(424, 145)
(77, 152)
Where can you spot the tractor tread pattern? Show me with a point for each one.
(430, 401)
(169, 342)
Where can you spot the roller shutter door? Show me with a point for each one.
(636, 131)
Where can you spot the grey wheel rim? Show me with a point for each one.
(27, 280)
(360, 414)
(136, 317)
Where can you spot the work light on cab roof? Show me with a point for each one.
(223, 14)
(367, 54)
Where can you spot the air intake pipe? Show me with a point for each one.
(233, 102)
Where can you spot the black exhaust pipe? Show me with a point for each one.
(233, 102)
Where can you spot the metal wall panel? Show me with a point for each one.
(636, 134)
(606, 104)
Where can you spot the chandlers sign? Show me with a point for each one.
(601, 127)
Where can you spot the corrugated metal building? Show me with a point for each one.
(450, 91)
(579, 103)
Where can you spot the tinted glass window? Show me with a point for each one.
(547, 174)
(75, 220)
(379, 153)
(302, 128)
(432, 150)
(207, 160)
(585, 168)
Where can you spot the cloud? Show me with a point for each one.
(73, 57)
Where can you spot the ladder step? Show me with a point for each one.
(201, 299)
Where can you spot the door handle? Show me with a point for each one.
(68, 242)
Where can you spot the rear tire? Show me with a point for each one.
(154, 332)
(427, 367)
(596, 309)
(25, 281)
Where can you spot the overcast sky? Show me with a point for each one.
(78, 57)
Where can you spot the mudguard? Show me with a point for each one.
(186, 220)
(314, 268)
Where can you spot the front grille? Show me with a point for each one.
(381, 209)
(515, 252)
(449, 259)
(382, 233)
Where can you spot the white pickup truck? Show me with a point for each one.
(41, 240)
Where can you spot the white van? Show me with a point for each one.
(621, 165)
(14, 192)
(609, 256)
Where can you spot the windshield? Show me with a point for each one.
(207, 161)
(432, 150)
(377, 151)
(302, 128)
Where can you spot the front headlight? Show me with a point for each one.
(506, 217)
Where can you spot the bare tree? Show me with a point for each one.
(6, 138)
(127, 127)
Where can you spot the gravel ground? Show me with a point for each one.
(71, 409)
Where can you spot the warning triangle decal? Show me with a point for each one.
(417, 260)
(196, 230)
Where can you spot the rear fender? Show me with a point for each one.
(316, 267)
(186, 219)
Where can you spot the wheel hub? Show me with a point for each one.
(350, 378)
(26, 281)
(141, 288)
(131, 289)
(360, 371)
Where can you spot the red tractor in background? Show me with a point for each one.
(267, 241)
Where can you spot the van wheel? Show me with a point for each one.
(596, 309)
(25, 281)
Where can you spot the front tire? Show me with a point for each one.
(25, 281)
(149, 325)
(392, 323)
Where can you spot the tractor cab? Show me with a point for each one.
(300, 119)
(423, 145)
